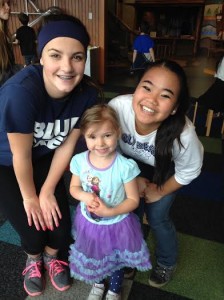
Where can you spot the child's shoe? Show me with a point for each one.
(112, 296)
(96, 293)
(34, 279)
(58, 271)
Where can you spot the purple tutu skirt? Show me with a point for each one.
(100, 250)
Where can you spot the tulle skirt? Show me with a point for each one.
(100, 250)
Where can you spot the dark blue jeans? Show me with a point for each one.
(158, 216)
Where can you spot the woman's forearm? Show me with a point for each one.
(21, 148)
(170, 186)
(154, 193)
(60, 161)
(24, 174)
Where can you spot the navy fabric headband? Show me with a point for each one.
(61, 28)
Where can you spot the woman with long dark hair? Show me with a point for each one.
(159, 136)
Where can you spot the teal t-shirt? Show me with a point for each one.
(108, 183)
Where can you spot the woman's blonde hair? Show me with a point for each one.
(97, 114)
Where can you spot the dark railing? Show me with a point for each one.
(119, 39)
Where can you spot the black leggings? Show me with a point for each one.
(115, 281)
(11, 204)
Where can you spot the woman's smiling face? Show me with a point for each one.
(155, 98)
(63, 60)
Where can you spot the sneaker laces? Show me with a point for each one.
(160, 270)
(34, 269)
(163, 271)
(56, 267)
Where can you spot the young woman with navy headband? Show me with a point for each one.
(40, 110)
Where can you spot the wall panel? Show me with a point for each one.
(90, 12)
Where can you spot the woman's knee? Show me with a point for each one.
(34, 243)
(158, 213)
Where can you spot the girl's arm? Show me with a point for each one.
(21, 148)
(134, 56)
(154, 193)
(60, 162)
(128, 205)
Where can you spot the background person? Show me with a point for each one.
(159, 136)
(7, 61)
(143, 52)
(213, 98)
(40, 108)
(26, 37)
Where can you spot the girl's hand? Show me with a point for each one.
(99, 208)
(34, 213)
(152, 193)
(142, 185)
(50, 210)
(93, 202)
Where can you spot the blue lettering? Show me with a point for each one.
(128, 139)
(146, 147)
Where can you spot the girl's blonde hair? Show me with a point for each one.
(97, 114)
(5, 50)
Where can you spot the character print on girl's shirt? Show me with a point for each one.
(89, 183)
(95, 185)
(92, 184)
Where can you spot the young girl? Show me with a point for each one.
(159, 136)
(107, 235)
(40, 108)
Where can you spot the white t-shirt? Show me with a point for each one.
(187, 159)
